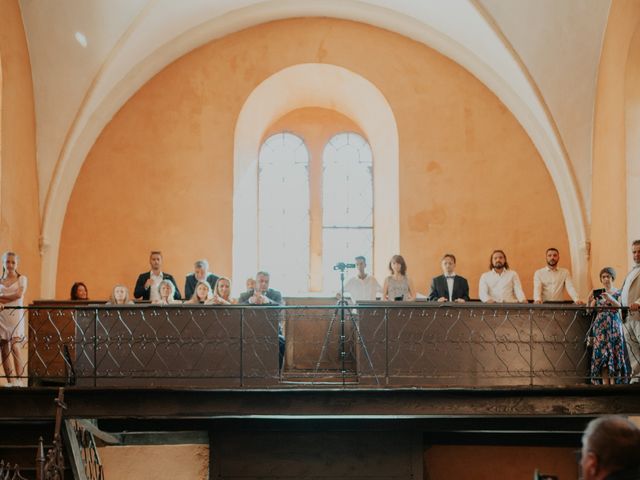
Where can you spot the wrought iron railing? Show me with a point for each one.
(386, 345)
(10, 472)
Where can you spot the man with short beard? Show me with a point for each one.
(549, 282)
(499, 284)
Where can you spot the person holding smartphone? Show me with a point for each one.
(608, 361)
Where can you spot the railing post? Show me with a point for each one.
(95, 348)
(40, 460)
(242, 347)
(386, 344)
(530, 347)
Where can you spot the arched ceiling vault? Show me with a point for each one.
(100, 52)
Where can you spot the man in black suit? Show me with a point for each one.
(147, 283)
(200, 274)
(449, 287)
(262, 294)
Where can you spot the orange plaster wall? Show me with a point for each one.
(444, 462)
(609, 214)
(19, 215)
(160, 174)
(316, 126)
(157, 462)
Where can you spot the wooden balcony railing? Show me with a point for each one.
(382, 344)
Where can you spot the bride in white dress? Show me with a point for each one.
(12, 321)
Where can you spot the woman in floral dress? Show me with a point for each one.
(608, 362)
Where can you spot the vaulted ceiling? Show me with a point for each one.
(89, 56)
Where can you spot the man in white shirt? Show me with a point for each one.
(549, 282)
(500, 285)
(363, 286)
(630, 297)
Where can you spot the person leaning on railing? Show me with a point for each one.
(608, 360)
(610, 449)
(13, 287)
(263, 295)
(222, 293)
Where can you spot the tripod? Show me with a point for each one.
(342, 306)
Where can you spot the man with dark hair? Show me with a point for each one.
(550, 282)
(611, 449)
(262, 294)
(363, 286)
(449, 287)
(500, 284)
(148, 282)
(630, 297)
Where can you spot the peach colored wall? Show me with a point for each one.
(19, 215)
(157, 462)
(473, 462)
(609, 245)
(160, 174)
(315, 126)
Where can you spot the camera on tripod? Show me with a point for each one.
(343, 266)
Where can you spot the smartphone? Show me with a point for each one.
(598, 292)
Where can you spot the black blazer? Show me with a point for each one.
(143, 293)
(191, 282)
(439, 288)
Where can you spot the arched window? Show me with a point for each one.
(347, 217)
(283, 212)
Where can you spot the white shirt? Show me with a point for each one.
(631, 276)
(503, 287)
(549, 285)
(450, 279)
(154, 294)
(363, 289)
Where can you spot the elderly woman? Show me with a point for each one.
(120, 296)
(608, 361)
(166, 290)
(13, 287)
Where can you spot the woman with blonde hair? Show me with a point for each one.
(201, 294)
(13, 287)
(119, 296)
(222, 292)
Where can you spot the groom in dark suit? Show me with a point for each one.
(449, 287)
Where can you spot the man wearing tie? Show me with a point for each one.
(449, 287)
(630, 297)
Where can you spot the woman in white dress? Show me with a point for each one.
(12, 321)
